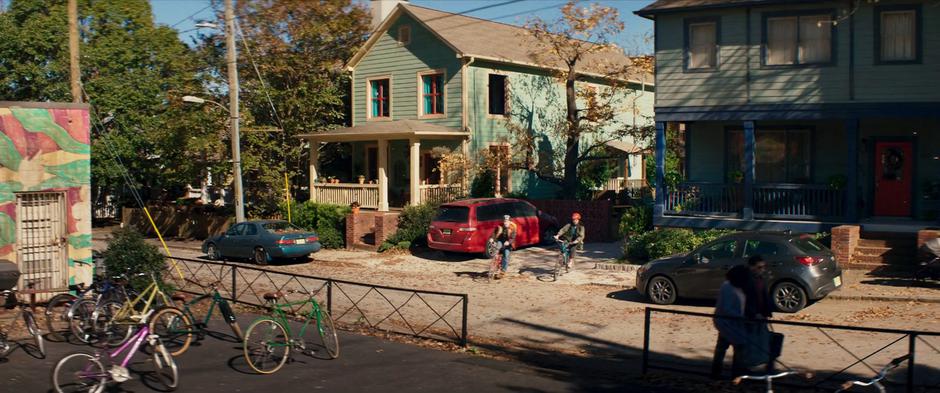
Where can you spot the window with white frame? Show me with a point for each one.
(803, 39)
(432, 94)
(898, 35)
(702, 46)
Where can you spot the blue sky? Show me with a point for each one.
(184, 14)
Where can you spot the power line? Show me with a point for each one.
(476, 9)
(191, 15)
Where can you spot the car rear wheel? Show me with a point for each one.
(661, 290)
(213, 252)
(789, 297)
(261, 256)
(548, 236)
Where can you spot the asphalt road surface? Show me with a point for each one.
(366, 364)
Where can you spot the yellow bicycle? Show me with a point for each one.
(115, 321)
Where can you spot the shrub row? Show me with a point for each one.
(668, 241)
(413, 226)
(329, 221)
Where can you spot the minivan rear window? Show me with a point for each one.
(808, 245)
(453, 214)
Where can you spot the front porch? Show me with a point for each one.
(806, 171)
(393, 165)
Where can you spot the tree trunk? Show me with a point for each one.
(572, 144)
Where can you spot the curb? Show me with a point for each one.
(621, 267)
(886, 298)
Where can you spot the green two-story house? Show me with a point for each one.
(798, 114)
(428, 81)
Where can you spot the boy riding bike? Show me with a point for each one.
(505, 236)
(573, 233)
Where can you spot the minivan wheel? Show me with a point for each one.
(661, 290)
(548, 236)
(789, 297)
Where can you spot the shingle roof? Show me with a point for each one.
(660, 6)
(489, 40)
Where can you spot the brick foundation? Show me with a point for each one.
(844, 241)
(368, 229)
(594, 214)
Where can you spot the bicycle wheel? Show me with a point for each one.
(5, 346)
(109, 325)
(81, 320)
(266, 346)
(328, 334)
(79, 372)
(174, 328)
(164, 366)
(57, 315)
(33, 328)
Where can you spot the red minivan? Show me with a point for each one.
(464, 226)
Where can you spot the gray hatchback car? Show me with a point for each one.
(800, 269)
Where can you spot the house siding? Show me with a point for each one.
(742, 79)
(403, 63)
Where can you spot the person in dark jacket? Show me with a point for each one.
(731, 332)
(572, 233)
(759, 304)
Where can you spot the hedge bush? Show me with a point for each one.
(413, 226)
(128, 253)
(329, 221)
(669, 241)
(636, 220)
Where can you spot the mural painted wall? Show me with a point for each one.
(45, 147)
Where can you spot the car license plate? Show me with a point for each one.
(837, 281)
(300, 241)
(446, 231)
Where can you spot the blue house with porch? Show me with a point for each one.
(797, 115)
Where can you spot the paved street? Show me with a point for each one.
(366, 364)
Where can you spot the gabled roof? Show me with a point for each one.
(663, 6)
(492, 41)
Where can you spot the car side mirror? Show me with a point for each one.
(693, 259)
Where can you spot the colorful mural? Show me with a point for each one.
(45, 147)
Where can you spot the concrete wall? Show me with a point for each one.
(45, 147)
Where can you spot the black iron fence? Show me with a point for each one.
(427, 314)
(818, 348)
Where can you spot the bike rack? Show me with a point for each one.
(912, 337)
(428, 315)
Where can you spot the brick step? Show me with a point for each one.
(908, 252)
(884, 259)
(863, 266)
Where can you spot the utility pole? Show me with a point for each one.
(75, 73)
(231, 59)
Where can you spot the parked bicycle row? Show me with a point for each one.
(121, 323)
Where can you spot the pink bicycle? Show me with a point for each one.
(91, 372)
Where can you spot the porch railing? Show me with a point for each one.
(701, 198)
(797, 201)
(441, 193)
(345, 193)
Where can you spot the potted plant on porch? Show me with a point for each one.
(362, 179)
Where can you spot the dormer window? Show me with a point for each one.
(404, 35)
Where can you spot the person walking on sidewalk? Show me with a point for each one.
(573, 233)
(731, 332)
(759, 306)
(505, 237)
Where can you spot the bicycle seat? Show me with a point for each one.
(77, 287)
(181, 297)
(273, 296)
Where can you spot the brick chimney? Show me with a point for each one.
(381, 9)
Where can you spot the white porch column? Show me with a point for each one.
(383, 175)
(314, 167)
(415, 168)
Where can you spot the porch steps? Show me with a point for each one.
(880, 250)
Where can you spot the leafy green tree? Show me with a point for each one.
(299, 49)
(131, 68)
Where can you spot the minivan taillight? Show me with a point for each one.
(467, 229)
(808, 260)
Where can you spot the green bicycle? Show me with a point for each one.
(269, 339)
(176, 326)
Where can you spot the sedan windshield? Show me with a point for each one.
(281, 227)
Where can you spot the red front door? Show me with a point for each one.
(893, 170)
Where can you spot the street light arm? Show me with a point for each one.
(199, 100)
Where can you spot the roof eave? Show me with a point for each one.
(651, 14)
(543, 67)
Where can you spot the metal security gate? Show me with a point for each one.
(41, 240)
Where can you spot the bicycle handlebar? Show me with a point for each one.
(895, 363)
(739, 379)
